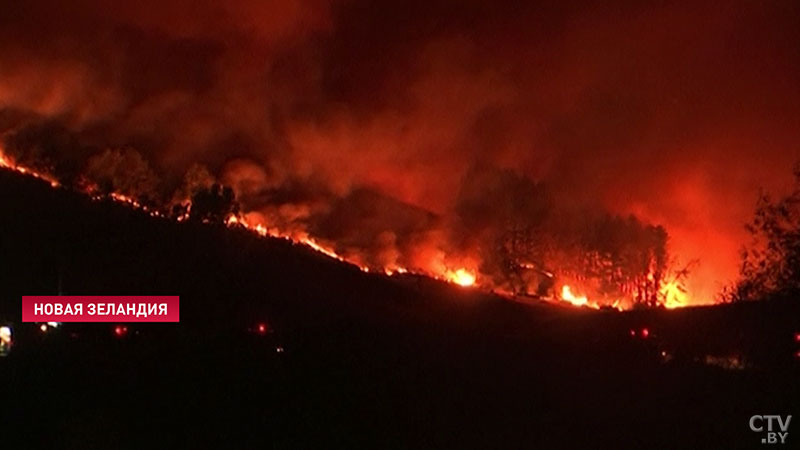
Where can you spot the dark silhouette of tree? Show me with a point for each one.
(214, 204)
(47, 147)
(529, 244)
(123, 171)
(197, 178)
(506, 210)
(771, 263)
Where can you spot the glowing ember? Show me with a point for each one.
(125, 199)
(7, 163)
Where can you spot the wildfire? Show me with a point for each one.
(125, 199)
(583, 301)
(7, 163)
(302, 238)
(324, 250)
(391, 271)
(461, 277)
(675, 296)
(673, 293)
(569, 297)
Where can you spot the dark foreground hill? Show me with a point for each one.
(353, 360)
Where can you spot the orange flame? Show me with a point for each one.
(461, 277)
(674, 295)
(569, 297)
(7, 163)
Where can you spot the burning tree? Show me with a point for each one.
(530, 244)
(771, 264)
(624, 257)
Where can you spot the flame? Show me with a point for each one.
(391, 271)
(7, 163)
(569, 297)
(324, 250)
(675, 296)
(126, 199)
(461, 277)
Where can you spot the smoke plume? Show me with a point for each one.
(384, 127)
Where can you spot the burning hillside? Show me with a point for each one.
(400, 223)
(506, 235)
(548, 150)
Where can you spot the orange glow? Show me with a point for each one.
(674, 295)
(461, 277)
(580, 300)
(437, 264)
(569, 297)
(7, 163)
(392, 271)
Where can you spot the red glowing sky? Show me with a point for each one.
(677, 112)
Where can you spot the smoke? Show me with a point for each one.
(363, 123)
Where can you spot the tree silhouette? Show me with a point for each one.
(124, 171)
(214, 204)
(771, 263)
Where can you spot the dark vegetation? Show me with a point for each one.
(771, 262)
(369, 361)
